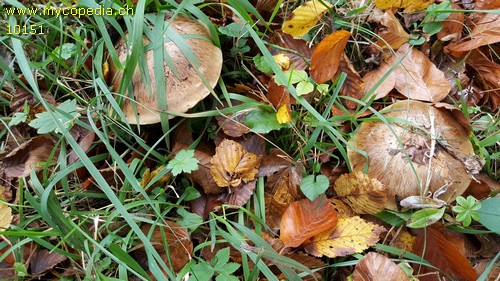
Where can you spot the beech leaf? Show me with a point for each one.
(351, 235)
(325, 60)
(232, 164)
(363, 194)
(304, 219)
(305, 17)
(375, 266)
(485, 32)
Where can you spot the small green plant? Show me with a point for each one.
(466, 209)
(184, 161)
(217, 266)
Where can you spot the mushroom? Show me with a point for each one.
(424, 151)
(184, 87)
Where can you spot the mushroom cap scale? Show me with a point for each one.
(400, 158)
(184, 86)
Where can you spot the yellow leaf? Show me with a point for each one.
(305, 17)
(283, 115)
(5, 211)
(362, 193)
(282, 60)
(232, 164)
(408, 5)
(351, 235)
(147, 176)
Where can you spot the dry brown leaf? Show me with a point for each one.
(363, 194)
(418, 78)
(43, 260)
(351, 235)
(353, 85)
(343, 210)
(435, 248)
(488, 73)
(325, 60)
(274, 211)
(304, 219)
(240, 196)
(375, 76)
(173, 236)
(452, 26)
(408, 5)
(485, 32)
(305, 17)
(374, 266)
(231, 124)
(300, 46)
(395, 35)
(232, 165)
(206, 203)
(487, 4)
(313, 263)
(203, 176)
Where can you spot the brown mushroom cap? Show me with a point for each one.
(185, 89)
(389, 163)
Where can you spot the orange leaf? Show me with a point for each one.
(435, 248)
(325, 60)
(375, 266)
(488, 76)
(303, 219)
(351, 235)
(353, 84)
(232, 164)
(486, 32)
(452, 26)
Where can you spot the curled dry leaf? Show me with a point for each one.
(374, 266)
(435, 248)
(485, 32)
(488, 73)
(305, 17)
(325, 60)
(173, 236)
(304, 218)
(408, 5)
(351, 235)
(363, 194)
(232, 164)
(394, 35)
(43, 261)
(380, 81)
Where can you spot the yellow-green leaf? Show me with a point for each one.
(408, 5)
(305, 17)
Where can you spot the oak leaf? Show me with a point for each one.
(351, 235)
(408, 5)
(232, 164)
(374, 266)
(325, 60)
(305, 17)
(485, 32)
(304, 218)
(363, 194)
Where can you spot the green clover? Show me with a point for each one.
(467, 210)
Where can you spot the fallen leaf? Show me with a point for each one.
(231, 124)
(353, 85)
(485, 32)
(206, 203)
(173, 236)
(240, 196)
(147, 176)
(343, 210)
(5, 212)
(284, 114)
(274, 211)
(232, 164)
(305, 17)
(374, 266)
(313, 263)
(300, 50)
(380, 81)
(488, 73)
(487, 4)
(452, 26)
(408, 5)
(304, 218)
(363, 194)
(43, 260)
(394, 35)
(351, 235)
(325, 60)
(433, 246)
(404, 241)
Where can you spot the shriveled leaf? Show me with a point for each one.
(313, 263)
(301, 50)
(305, 17)
(408, 5)
(375, 266)
(203, 205)
(363, 194)
(202, 176)
(232, 164)
(304, 219)
(325, 60)
(418, 78)
(351, 235)
(425, 217)
(173, 236)
(485, 32)
(148, 176)
(44, 260)
(394, 35)
(433, 246)
(274, 211)
(313, 186)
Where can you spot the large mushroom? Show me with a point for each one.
(184, 86)
(423, 152)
